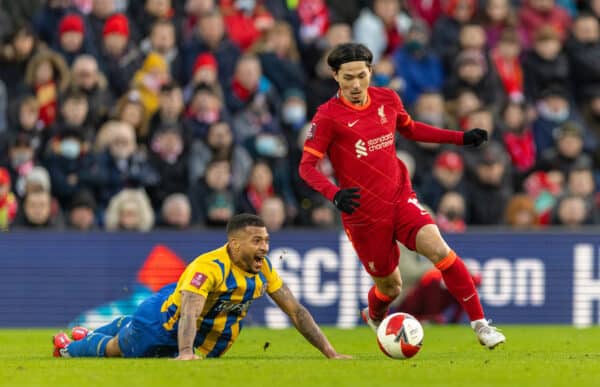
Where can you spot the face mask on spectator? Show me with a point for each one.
(70, 148)
(294, 114)
(209, 117)
(551, 115)
(245, 5)
(381, 80)
(413, 46)
(270, 146)
(20, 158)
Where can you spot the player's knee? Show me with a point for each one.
(112, 348)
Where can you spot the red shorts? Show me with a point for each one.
(375, 242)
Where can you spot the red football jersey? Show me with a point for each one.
(359, 142)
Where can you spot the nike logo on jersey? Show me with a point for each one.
(351, 124)
(468, 298)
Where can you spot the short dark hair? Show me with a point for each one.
(348, 52)
(240, 221)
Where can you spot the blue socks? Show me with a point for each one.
(114, 327)
(94, 345)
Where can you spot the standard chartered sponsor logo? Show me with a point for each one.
(381, 142)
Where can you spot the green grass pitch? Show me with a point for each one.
(532, 356)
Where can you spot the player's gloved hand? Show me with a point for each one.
(345, 201)
(475, 137)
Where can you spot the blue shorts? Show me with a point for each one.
(144, 335)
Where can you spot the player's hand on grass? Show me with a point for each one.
(475, 137)
(346, 199)
(187, 356)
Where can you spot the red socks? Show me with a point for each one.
(378, 304)
(460, 284)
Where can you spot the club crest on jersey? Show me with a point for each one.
(198, 280)
(310, 133)
(361, 149)
(381, 114)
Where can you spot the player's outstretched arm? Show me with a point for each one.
(191, 308)
(304, 322)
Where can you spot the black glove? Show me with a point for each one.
(344, 200)
(475, 137)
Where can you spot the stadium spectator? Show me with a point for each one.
(446, 31)
(100, 11)
(314, 17)
(21, 47)
(583, 51)
(49, 16)
(72, 39)
(121, 166)
(447, 175)
(148, 81)
(471, 71)
(28, 122)
(499, 16)
(279, 58)
(490, 185)
(129, 210)
(47, 75)
(417, 65)
(381, 27)
(573, 212)
(176, 212)
(272, 212)
(82, 212)
(206, 107)
(9, 205)
(428, 11)
(194, 9)
(535, 14)
(220, 145)
(505, 58)
(483, 118)
(163, 40)
(465, 103)
(260, 187)
(131, 110)
(86, 77)
(553, 110)
(210, 37)
(293, 113)
(168, 156)
(246, 21)
(517, 138)
(170, 112)
(73, 115)
(580, 182)
(212, 198)
(150, 13)
(68, 155)
(21, 157)
(119, 55)
(545, 65)
(205, 71)
(39, 212)
(591, 116)
(451, 212)
(567, 153)
(520, 213)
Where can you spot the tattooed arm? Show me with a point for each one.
(304, 322)
(191, 307)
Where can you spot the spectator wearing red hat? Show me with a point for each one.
(448, 175)
(205, 71)
(8, 202)
(72, 40)
(120, 59)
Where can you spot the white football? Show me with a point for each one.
(400, 336)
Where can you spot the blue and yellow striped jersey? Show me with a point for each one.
(229, 292)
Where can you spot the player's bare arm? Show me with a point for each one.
(191, 308)
(304, 322)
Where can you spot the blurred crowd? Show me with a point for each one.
(144, 114)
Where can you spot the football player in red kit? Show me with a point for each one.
(356, 129)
